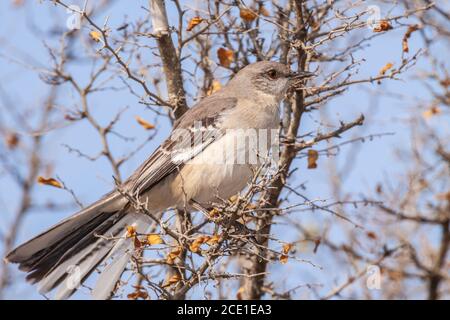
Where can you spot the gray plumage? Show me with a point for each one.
(170, 177)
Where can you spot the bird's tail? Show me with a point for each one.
(66, 254)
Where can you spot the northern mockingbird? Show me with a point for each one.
(173, 177)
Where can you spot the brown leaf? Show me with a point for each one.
(247, 15)
(213, 240)
(137, 294)
(154, 239)
(383, 70)
(194, 22)
(95, 35)
(407, 35)
(12, 140)
(172, 280)
(386, 67)
(284, 256)
(146, 125)
(431, 112)
(445, 82)
(49, 182)
(175, 253)
(225, 57)
(264, 11)
(195, 245)
(371, 235)
(239, 293)
(443, 196)
(131, 231)
(383, 25)
(313, 155)
(287, 247)
(215, 86)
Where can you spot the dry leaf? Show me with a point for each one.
(233, 198)
(284, 256)
(95, 35)
(18, 3)
(12, 140)
(264, 11)
(213, 240)
(247, 15)
(137, 294)
(386, 67)
(154, 239)
(431, 112)
(371, 235)
(313, 155)
(172, 280)
(175, 253)
(195, 245)
(225, 57)
(239, 293)
(383, 25)
(215, 86)
(49, 182)
(443, 196)
(445, 82)
(131, 231)
(383, 70)
(408, 33)
(146, 125)
(193, 22)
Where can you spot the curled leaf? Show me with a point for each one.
(385, 68)
(371, 235)
(49, 182)
(313, 155)
(195, 245)
(172, 280)
(382, 26)
(175, 253)
(131, 231)
(213, 240)
(95, 35)
(146, 125)
(194, 22)
(247, 15)
(12, 140)
(215, 86)
(138, 294)
(264, 11)
(407, 35)
(284, 256)
(239, 293)
(225, 57)
(154, 239)
(431, 112)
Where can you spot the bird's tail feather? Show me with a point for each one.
(66, 254)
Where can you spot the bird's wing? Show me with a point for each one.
(192, 133)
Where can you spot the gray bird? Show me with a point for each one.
(172, 177)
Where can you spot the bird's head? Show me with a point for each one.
(268, 77)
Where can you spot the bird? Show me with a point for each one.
(63, 256)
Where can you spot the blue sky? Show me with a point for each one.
(21, 39)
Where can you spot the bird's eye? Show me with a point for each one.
(272, 74)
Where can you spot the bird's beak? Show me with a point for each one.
(301, 75)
